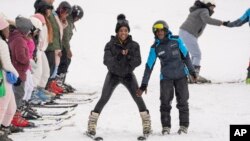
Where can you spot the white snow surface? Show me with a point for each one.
(213, 107)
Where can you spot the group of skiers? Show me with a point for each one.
(34, 58)
(122, 56)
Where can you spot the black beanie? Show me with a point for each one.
(121, 21)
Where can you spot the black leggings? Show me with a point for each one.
(111, 83)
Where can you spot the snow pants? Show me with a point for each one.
(111, 83)
(180, 87)
(64, 63)
(192, 45)
(42, 72)
(19, 94)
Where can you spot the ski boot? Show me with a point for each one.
(165, 130)
(4, 135)
(183, 129)
(93, 117)
(146, 123)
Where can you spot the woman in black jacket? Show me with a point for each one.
(121, 56)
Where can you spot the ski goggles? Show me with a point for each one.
(158, 26)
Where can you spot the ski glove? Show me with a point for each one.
(18, 82)
(226, 23)
(193, 77)
(11, 78)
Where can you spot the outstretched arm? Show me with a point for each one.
(242, 20)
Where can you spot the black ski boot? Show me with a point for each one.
(4, 135)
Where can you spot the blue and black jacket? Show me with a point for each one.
(242, 20)
(174, 58)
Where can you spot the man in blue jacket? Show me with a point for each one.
(239, 22)
(175, 66)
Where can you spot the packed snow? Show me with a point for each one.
(213, 107)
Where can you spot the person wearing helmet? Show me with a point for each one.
(76, 14)
(175, 66)
(121, 56)
(237, 23)
(192, 28)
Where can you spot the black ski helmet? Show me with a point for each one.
(160, 24)
(77, 12)
(64, 6)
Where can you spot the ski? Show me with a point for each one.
(54, 112)
(49, 128)
(74, 101)
(83, 93)
(58, 105)
(93, 137)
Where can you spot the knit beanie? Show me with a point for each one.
(121, 21)
(3, 22)
(40, 17)
(23, 24)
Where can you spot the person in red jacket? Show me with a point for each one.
(20, 60)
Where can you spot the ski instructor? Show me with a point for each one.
(121, 56)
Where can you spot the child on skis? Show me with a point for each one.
(121, 56)
(175, 65)
(239, 22)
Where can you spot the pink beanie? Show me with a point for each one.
(40, 17)
(3, 23)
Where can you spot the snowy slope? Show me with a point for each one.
(212, 107)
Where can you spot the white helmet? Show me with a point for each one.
(36, 22)
(212, 2)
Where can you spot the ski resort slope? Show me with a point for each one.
(213, 107)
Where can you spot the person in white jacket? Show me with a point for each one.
(42, 71)
(7, 102)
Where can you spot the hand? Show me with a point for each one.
(193, 77)
(225, 23)
(140, 91)
(69, 53)
(18, 82)
(124, 52)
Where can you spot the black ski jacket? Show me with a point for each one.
(117, 63)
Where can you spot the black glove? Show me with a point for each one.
(143, 87)
(225, 23)
(18, 82)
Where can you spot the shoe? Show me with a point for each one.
(183, 129)
(165, 130)
(4, 136)
(19, 121)
(53, 87)
(15, 129)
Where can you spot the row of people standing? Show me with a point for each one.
(30, 57)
